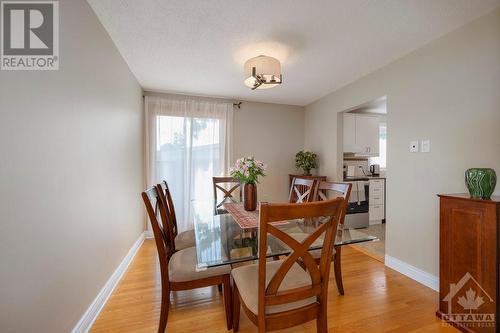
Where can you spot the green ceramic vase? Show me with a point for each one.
(481, 182)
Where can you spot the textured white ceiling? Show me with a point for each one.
(199, 46)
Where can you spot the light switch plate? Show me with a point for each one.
(426, 146)
(413, 146)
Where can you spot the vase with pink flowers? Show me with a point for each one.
(248, 170)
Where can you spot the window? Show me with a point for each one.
(187, 143)
(188, 156)
(382, 158)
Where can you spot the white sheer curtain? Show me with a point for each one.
(187, 143)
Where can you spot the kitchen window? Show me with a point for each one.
(382, 158)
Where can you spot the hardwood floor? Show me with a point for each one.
(377, 299)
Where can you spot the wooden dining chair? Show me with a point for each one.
(227, 193)
(302, 190)
(180, 240)
(325, 191)
(280, 294)
(178, 268)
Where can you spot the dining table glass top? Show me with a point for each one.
(221, 241)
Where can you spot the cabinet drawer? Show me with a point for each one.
(377, 199)
(376, 212)
(377, 183)
(376, 191)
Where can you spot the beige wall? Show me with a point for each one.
(448, 92)
(71, 175)
(273, 133)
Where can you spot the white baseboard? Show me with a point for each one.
(413, 272)
(148, 234)
(89, 317)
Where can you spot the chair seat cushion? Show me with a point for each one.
(246, 277)
(182, 267)
(184, 240)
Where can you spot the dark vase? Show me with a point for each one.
(480, 182)
(250, 197)
(307, 172)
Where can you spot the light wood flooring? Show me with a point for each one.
(377, 299)
(373, 249)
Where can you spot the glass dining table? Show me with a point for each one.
(221, 241)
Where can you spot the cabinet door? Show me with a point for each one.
(367, 134)
(468, 247)
(350, 133)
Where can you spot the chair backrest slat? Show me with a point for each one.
(159, 222)
(166, 197)
(302, 190)
(326, 214)
(324, 192)
(227, 193)
(300, 251)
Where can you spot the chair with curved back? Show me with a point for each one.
(280, 294)
(325, 191)
(180, 240)
(227, 193)
(178, 268)
(302, 190)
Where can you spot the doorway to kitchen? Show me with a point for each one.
(364, 164)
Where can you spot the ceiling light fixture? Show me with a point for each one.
(263, 72)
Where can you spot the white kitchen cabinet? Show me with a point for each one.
(361, 134)
(376, 213)
(376, 209)
(367, 134)
(350, 133)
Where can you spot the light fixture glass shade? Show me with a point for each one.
(267, 72)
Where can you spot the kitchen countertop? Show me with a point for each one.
(359, 178)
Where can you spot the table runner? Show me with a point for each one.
(245, 219)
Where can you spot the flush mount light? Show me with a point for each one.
(263, 72)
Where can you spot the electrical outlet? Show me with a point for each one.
(426, 146)
(413, 146)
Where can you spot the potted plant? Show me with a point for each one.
(247, 171)
(305, 160)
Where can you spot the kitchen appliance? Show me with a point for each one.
(357, 215)
(375, 169)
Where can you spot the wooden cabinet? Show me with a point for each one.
(469, 266)
(361, 134)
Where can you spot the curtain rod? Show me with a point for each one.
(165, 94)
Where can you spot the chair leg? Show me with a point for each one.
(236, 309)
(321, 326)
(337, 268)
(165, 304)
(228, 304)
(321, 321)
